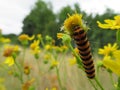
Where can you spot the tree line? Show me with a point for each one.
(43, 20)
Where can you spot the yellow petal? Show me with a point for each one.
(112, 65)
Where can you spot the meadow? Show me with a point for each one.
(36, 63)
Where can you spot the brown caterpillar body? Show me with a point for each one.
(83, 45)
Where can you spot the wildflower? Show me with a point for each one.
(27, 70)
(24, 38)
(59, 35)
(64, 48)
(57, 49)
(5, 40)
(110, 24)
(76, 50)
(54, 63)
(109, 49)
(47, 47)
(39, 36)
(113, 65)
(10, 50)
(65, 38)
(35, 48)
(10, 53)
(9, 61)
(72, 61)
(72, 21)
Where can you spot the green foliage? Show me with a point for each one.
(43, 20)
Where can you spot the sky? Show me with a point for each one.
(13, 12)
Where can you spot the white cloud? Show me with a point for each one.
(12, 12)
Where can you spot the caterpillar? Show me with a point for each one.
(75, 26)
(83, 45)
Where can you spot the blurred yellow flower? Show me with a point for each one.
(76, 50)
(72, 61)
(54, 63)
(59, 35)
(27, 69)
(9, 50)
(113, 65)
(48, 47)
(47, 57)
(25, 37)
(109, 49)
(9, 61)
(39, 36)
(35, 47)
(5, 40)
(35, 44)
(64, 48)
(110, 24)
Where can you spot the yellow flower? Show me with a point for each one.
(47, 57)
(113, 65)
(76, 50)
(27, 70)
(5, 40)
(35, 47)
(59, 35)
(39, 36)
(54, 63)
(9, 50)
(109, 49)
(9, 61)
(64, 48)
(72, 21)
(47, 47)
(35, 44)
(25, 37)
(110, 24)
(72, 61)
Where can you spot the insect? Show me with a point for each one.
(79, 35)
(77, 28)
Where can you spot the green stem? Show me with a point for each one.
(42, 43)
(24, 50)
(92, 84)
(98, 83)
(19, 68)
(58, 76)
(79, 61)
